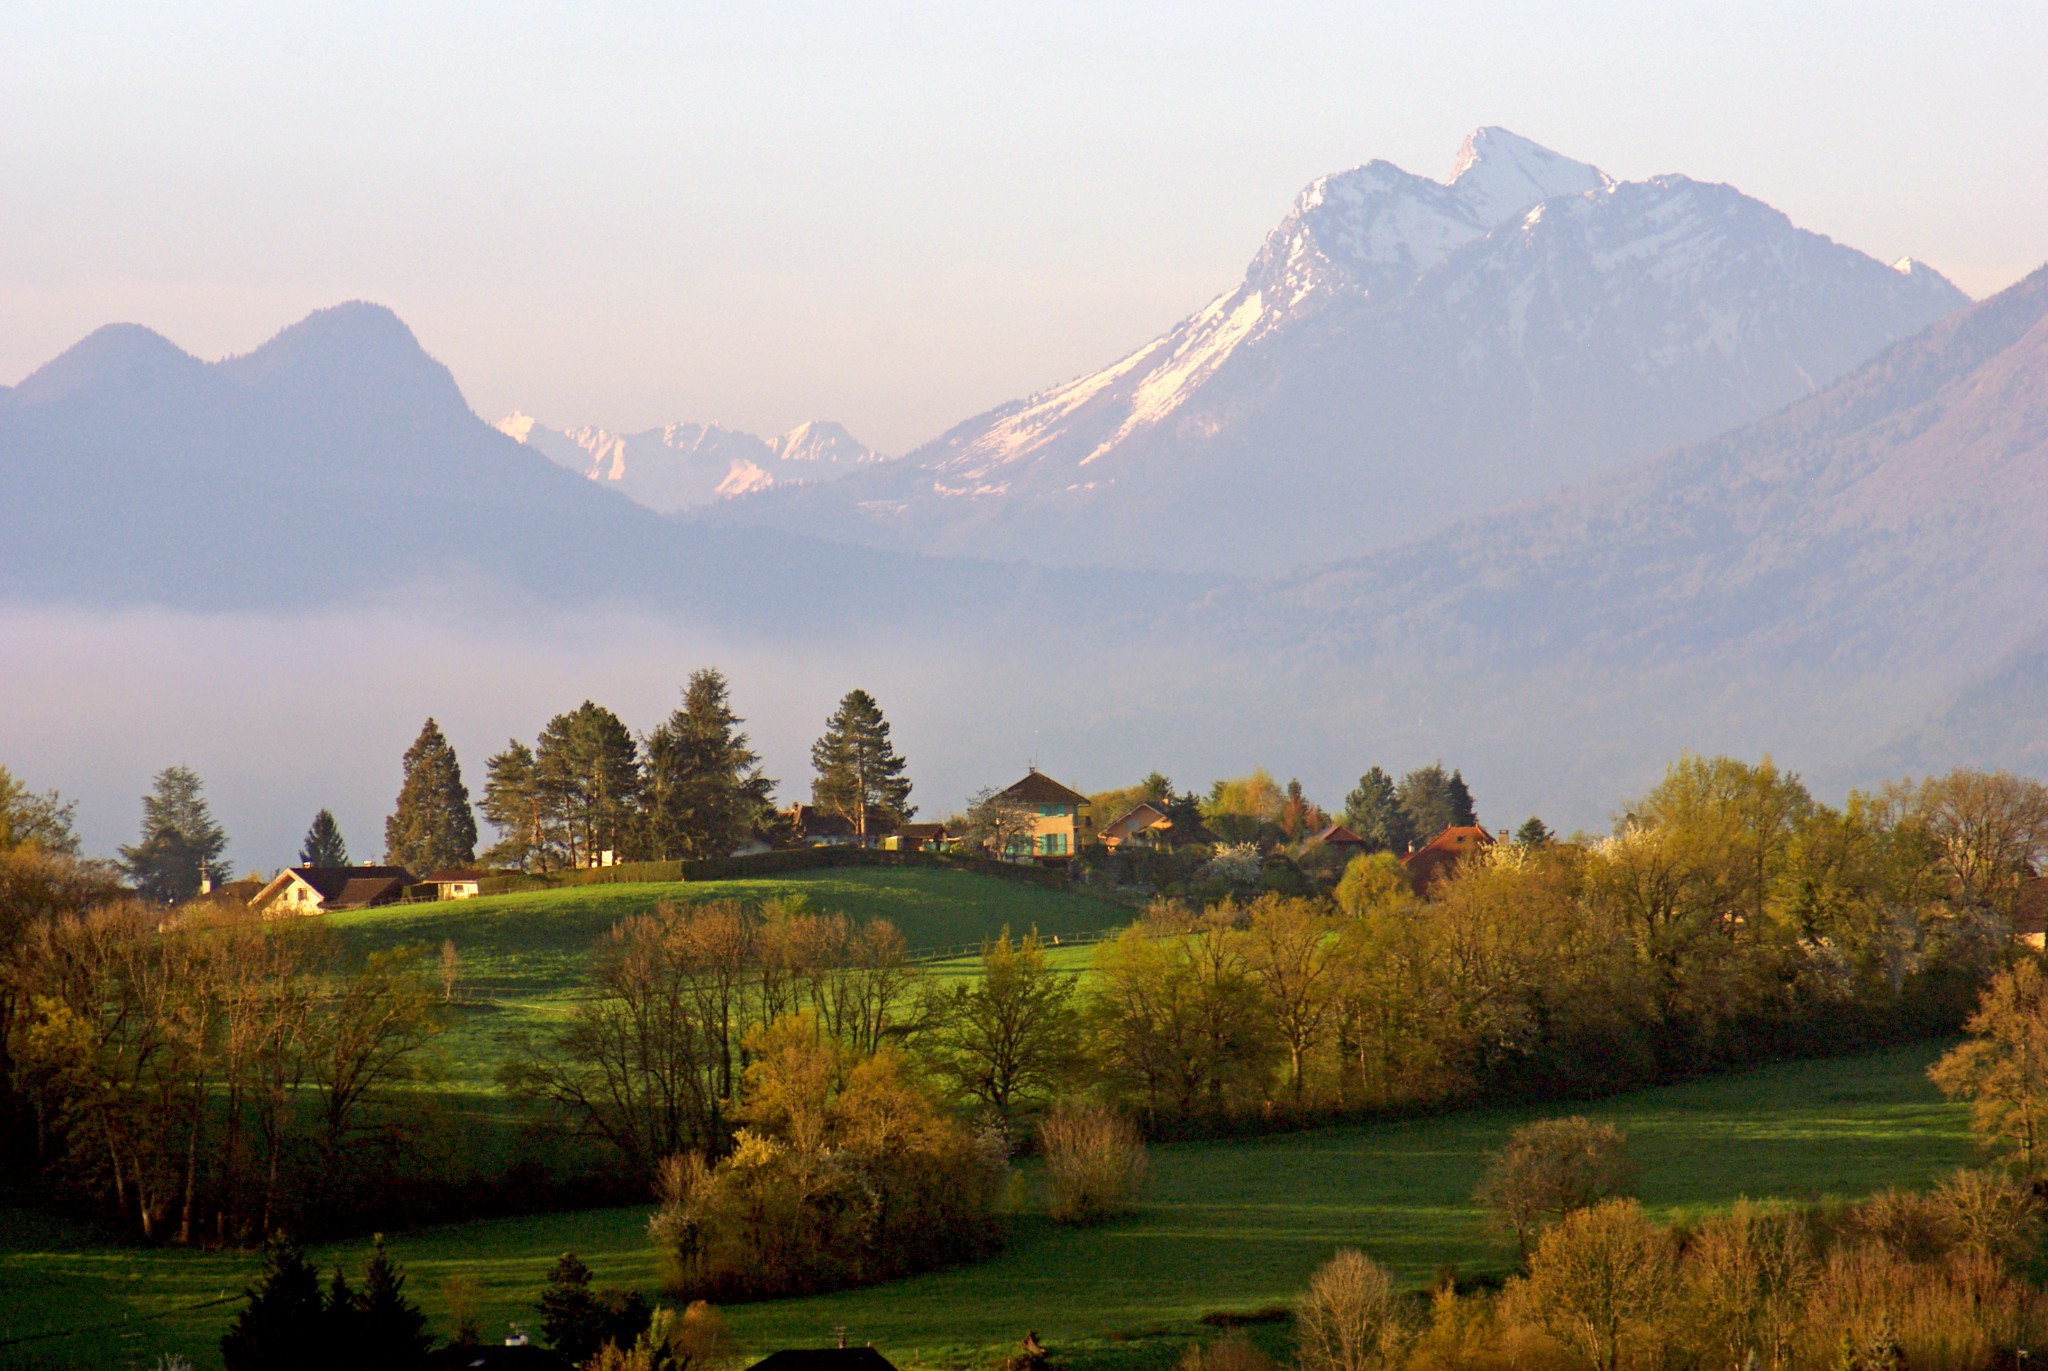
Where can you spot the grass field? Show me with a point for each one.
(1226, 1226)
(522, 955)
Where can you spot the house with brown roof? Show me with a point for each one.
(456, 883)
(1058, 825)
(815, 827)
(318, 889)
(1439, 857)
(1146, 824)
(1341, 838)
(919, 838)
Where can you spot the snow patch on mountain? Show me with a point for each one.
(680, 466)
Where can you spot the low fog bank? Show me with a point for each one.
(285, 714)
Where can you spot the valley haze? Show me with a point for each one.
(1542, 473)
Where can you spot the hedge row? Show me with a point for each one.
(768, 864)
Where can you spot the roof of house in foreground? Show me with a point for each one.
(1037, 788)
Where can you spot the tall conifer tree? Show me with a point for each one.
(860, 776)
(432, 826)
(182, 847)
(1373, 811)
(324, 845)
(281, 1323)
(706, 793)
(512, 804)
(587, 776)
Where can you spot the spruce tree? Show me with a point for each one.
(181, 847)
(860, 776)
(587, 776)
(569, 1321)
(1462, 812)
(323, 845)
(432, 826)
(280, 1326)
(1431, 802)
(512, 804)
(341, 1322)
(1373, 811)
(706, 793)
(391, 1330)
(1533, 833)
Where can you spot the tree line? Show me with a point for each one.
(1729, 918)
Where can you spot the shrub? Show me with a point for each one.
(1094, 1163)
(1551, 1169)
(577, 1320)
(850, 1172)
(1231, 1352)
(1748, 1276)
(1601, 1282)
(1992, 1214)
(1349, 1319)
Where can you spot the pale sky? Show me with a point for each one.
(896, 215)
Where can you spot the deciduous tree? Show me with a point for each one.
(1009, 1038)
(2003, 1068)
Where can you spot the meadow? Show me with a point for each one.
(521, 956)
(1225, 1227)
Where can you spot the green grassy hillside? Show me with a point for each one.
(1226, 1226)
(521, 956)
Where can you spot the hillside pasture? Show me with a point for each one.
(521, 956)
(1226, 1226)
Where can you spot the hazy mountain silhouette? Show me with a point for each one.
(1402, 353)
(1872, 556)
(339, 461)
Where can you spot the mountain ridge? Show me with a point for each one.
(1393, 359)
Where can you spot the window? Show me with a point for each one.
(1054, 845)
(1051, 811)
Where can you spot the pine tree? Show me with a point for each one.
(341, 1322)
(1432, 802)
(432, 826)
(1294, 811)
(568, 1316)
(1533, 833)
(1373, 811)
(323, 845)
(512, 804)
(391, 1330)
(705, 791)
(280, 1326)
(181, 847)
(1462, 812)
(860, 776)
(587, 777)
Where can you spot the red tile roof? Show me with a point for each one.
(1440, 856)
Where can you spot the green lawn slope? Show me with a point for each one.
(1226, 1226)
(521, 956)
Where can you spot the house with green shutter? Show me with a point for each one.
(1060, 824)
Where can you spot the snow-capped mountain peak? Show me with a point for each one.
(1400, 353)
(685, 466)
(1498, 175)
